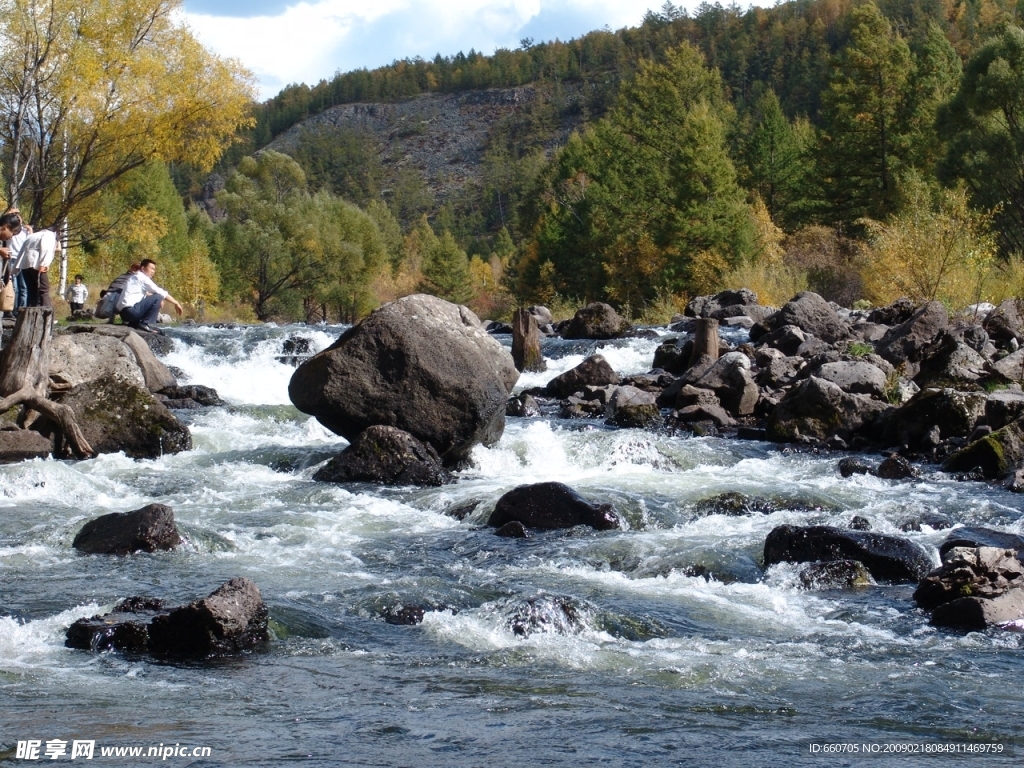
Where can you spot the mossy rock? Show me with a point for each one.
(995, 454)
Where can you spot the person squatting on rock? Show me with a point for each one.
(77, 295)
(33, 258)
(141, 299)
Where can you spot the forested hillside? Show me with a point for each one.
(863, 151)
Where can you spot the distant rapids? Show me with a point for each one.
(665, 643)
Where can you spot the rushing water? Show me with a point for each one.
(570, 648)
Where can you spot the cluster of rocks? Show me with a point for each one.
(906, 379)
(120, 392)
(230, 619)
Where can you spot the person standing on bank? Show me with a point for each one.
(78, 294)
(142, 298)
(33, 258)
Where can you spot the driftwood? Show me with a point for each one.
(25, 376)
(526, 343)
(705, 340)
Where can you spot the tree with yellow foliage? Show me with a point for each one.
(91, 89)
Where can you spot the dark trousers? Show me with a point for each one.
(38, 285)
(145, 312)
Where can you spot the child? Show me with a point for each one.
(77, 295)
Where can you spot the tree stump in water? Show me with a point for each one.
(526, 343)
(705, 340)
(25, 377)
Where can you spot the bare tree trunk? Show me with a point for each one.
(24, 378)
(705, 340)
(526, 343)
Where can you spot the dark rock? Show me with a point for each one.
(549, 506)
(976, 536)
(896, 313)
(513, 530)
(787, 339)
(523, 406)
(813, 315)
(715, 414)
(231, 619)
(858, 523)
(1002, 407)
(682, 395)
(552, 614)
(976, 338)
(596, 321)
(849, 465)
(496, 328)
(953, 413)
(970, 572)
(705, 306)
(126, 628)
(631, 407)
(674, 356)
(975, 613)
(859, 378)
(736, 504)
(148, 529)
(21, 444)
(819, 409)
(950, 362)
(420, 364)
(895, 468)
(1003, 324)
(995, 454)
(462, 511)
(206, 396)
(405, 615)
(780, 372)
(594, 371)
(730, 379)
(908, 342)
(934, 520)
(385, 455)
(1011, 367)
(835, 574)
(115, 415)
(888, 558)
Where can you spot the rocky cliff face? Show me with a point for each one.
(443, 136)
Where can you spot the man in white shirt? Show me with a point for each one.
(33, 257)
(141, 299)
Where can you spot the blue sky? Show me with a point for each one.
(291, 42)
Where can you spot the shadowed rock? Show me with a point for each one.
(888, 558)
(148, 529)
(385, 455)
(970, 572)
(232, 618)
(549, 506)
(596, 321)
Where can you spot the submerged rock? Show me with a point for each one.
(887, 558)
(835, 574)
(551, 506)
(148, 529)
(385, 455)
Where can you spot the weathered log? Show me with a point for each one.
(25, 376)
(705, 340)
(526, 343)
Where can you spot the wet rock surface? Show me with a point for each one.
(148, 529)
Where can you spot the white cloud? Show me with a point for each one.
(308, 42)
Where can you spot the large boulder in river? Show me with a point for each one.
(385, 455)
(551, 506)
(116, 415)
(934, 415)
(421, 364)
(888, 558)
(994, 454)
(976, 613)
(596, 321)
(819, 409)
(83, 357)
(148, 529)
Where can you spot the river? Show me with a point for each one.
(661, 644)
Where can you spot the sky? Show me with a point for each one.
(284, 42)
